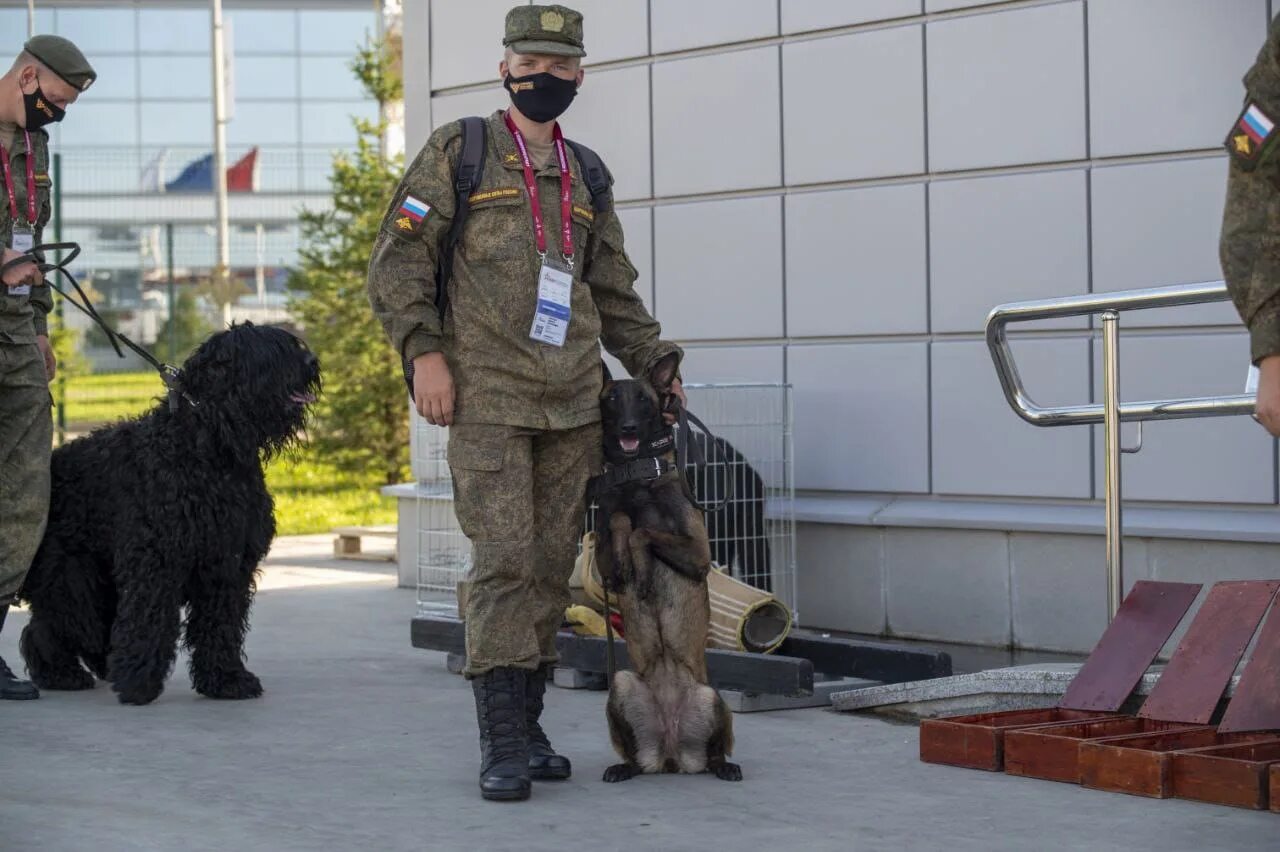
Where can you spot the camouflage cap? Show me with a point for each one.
(62, 58)
(545, 29)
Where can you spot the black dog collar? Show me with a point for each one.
(637, 470)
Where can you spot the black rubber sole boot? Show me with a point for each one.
(504, 741)
(11, 688)
(544, 763)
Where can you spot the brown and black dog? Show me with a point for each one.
(652, 551)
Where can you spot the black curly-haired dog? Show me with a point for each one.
(166, 510)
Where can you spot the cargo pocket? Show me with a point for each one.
(464, 454)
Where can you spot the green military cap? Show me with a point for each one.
(545, 29)
(62, 58)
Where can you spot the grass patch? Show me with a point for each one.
(311, 495)
(105, 397)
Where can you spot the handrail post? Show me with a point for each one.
(1111, 428)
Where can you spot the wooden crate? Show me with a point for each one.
(1052, 752)
(1235, 775)
(1142, 765)
(977, 741)
(1275, 787)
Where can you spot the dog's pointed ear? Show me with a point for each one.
(605, 376)
(663, 373)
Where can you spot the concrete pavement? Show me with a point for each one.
(363, 742)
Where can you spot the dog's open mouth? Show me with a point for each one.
(303, 397)
(629, 445)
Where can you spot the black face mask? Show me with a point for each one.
(40, 110)
(541, 97)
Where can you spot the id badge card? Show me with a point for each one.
(23, 240)
(551, 322)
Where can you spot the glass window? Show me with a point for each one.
(330, 78)
(325, 31)
(174, 30)
(264, 123)
(117, 78)
(176, 77)
(177, 123)
(331, 123)
(13, 30)
(101, 125)
(99, 30)
(263, 31)
(266, 77)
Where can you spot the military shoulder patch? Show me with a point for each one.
(1250, 137)
(410, 215)
(585, 213)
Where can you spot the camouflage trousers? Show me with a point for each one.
(519, 495)
(26, 439)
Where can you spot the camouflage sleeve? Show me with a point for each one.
(41, 305)
(401, 280)
(42, 294)
(1249, 247)
(627, 330)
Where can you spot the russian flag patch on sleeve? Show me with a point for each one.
(1251, 136)
(410, 215)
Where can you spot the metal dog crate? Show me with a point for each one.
(753, 536)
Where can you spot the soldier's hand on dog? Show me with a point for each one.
(1268, 412)
(672, 411)
(23, 273)
(433, 388)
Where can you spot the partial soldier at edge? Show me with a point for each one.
(47, 77)
(1250, 241)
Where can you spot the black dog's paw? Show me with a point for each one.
(137, 693)
(728, 772)
(234, 685)
(69, 679)
(619, 772)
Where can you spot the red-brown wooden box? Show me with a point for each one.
(1052, 752)
(1235, 775)
(977, 741)
(1142, 765)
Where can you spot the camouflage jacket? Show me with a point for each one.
(502, 376)
(23, 317)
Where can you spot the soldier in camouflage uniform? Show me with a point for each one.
(1250, 244)
(48, 75)
(523, 412)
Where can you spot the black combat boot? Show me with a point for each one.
(544, 763)
(10, 687)
(504, 743)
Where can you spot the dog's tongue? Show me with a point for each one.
(629, 445)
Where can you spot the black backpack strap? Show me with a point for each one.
(595, 174)
(466, 177)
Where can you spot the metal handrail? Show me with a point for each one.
(1110, 412)
(1097, 303)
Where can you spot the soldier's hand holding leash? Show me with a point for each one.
(1268, 411)
(21, 274)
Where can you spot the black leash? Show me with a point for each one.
(683, 418)
(171, 376)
